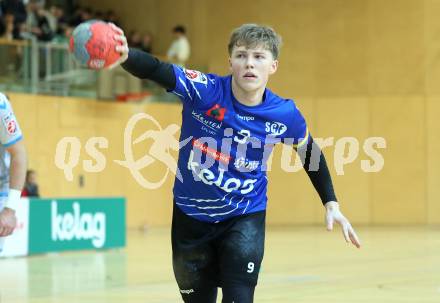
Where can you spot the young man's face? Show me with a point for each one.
(32, 178)
(251, 67)
(177, 34)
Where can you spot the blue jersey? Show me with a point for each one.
(223, 165)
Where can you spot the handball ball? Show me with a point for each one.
(93, 44)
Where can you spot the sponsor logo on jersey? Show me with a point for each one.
(243, 164)
(216, 112)
(196, 76)
(275, 128)
(10, 123)
(208, 177)
(243, 136)
(214, 125)
(246, 118)
(215, 154)
(12, 127)
(187, 291)
(209, 131)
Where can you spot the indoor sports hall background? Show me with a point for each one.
(357, 69)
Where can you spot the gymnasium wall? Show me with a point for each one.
(357, 68)
(331, 48)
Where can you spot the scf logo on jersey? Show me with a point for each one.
(275, 128)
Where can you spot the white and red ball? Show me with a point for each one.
(93, 44)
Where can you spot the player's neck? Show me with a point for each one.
(252, 98)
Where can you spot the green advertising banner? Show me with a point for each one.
(76, 224)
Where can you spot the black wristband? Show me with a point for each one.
(145, 66)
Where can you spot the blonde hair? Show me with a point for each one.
(251, 35)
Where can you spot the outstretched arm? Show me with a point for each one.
(194, 88)
(143, 65)
(316, 167)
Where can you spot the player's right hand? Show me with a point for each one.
(8, 221)
(121, 48)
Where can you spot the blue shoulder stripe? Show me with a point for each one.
(2, 104)
(13, 142)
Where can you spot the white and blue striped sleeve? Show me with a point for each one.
(196, 88)
(10, 131)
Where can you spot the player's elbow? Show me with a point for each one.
(18, 151)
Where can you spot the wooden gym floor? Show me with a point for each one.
(301, 265)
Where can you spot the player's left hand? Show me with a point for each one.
(334, 215)
(8, 221)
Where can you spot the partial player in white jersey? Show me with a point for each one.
(13, 161)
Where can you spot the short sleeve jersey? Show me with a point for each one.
(223, 165)
(10, 133)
